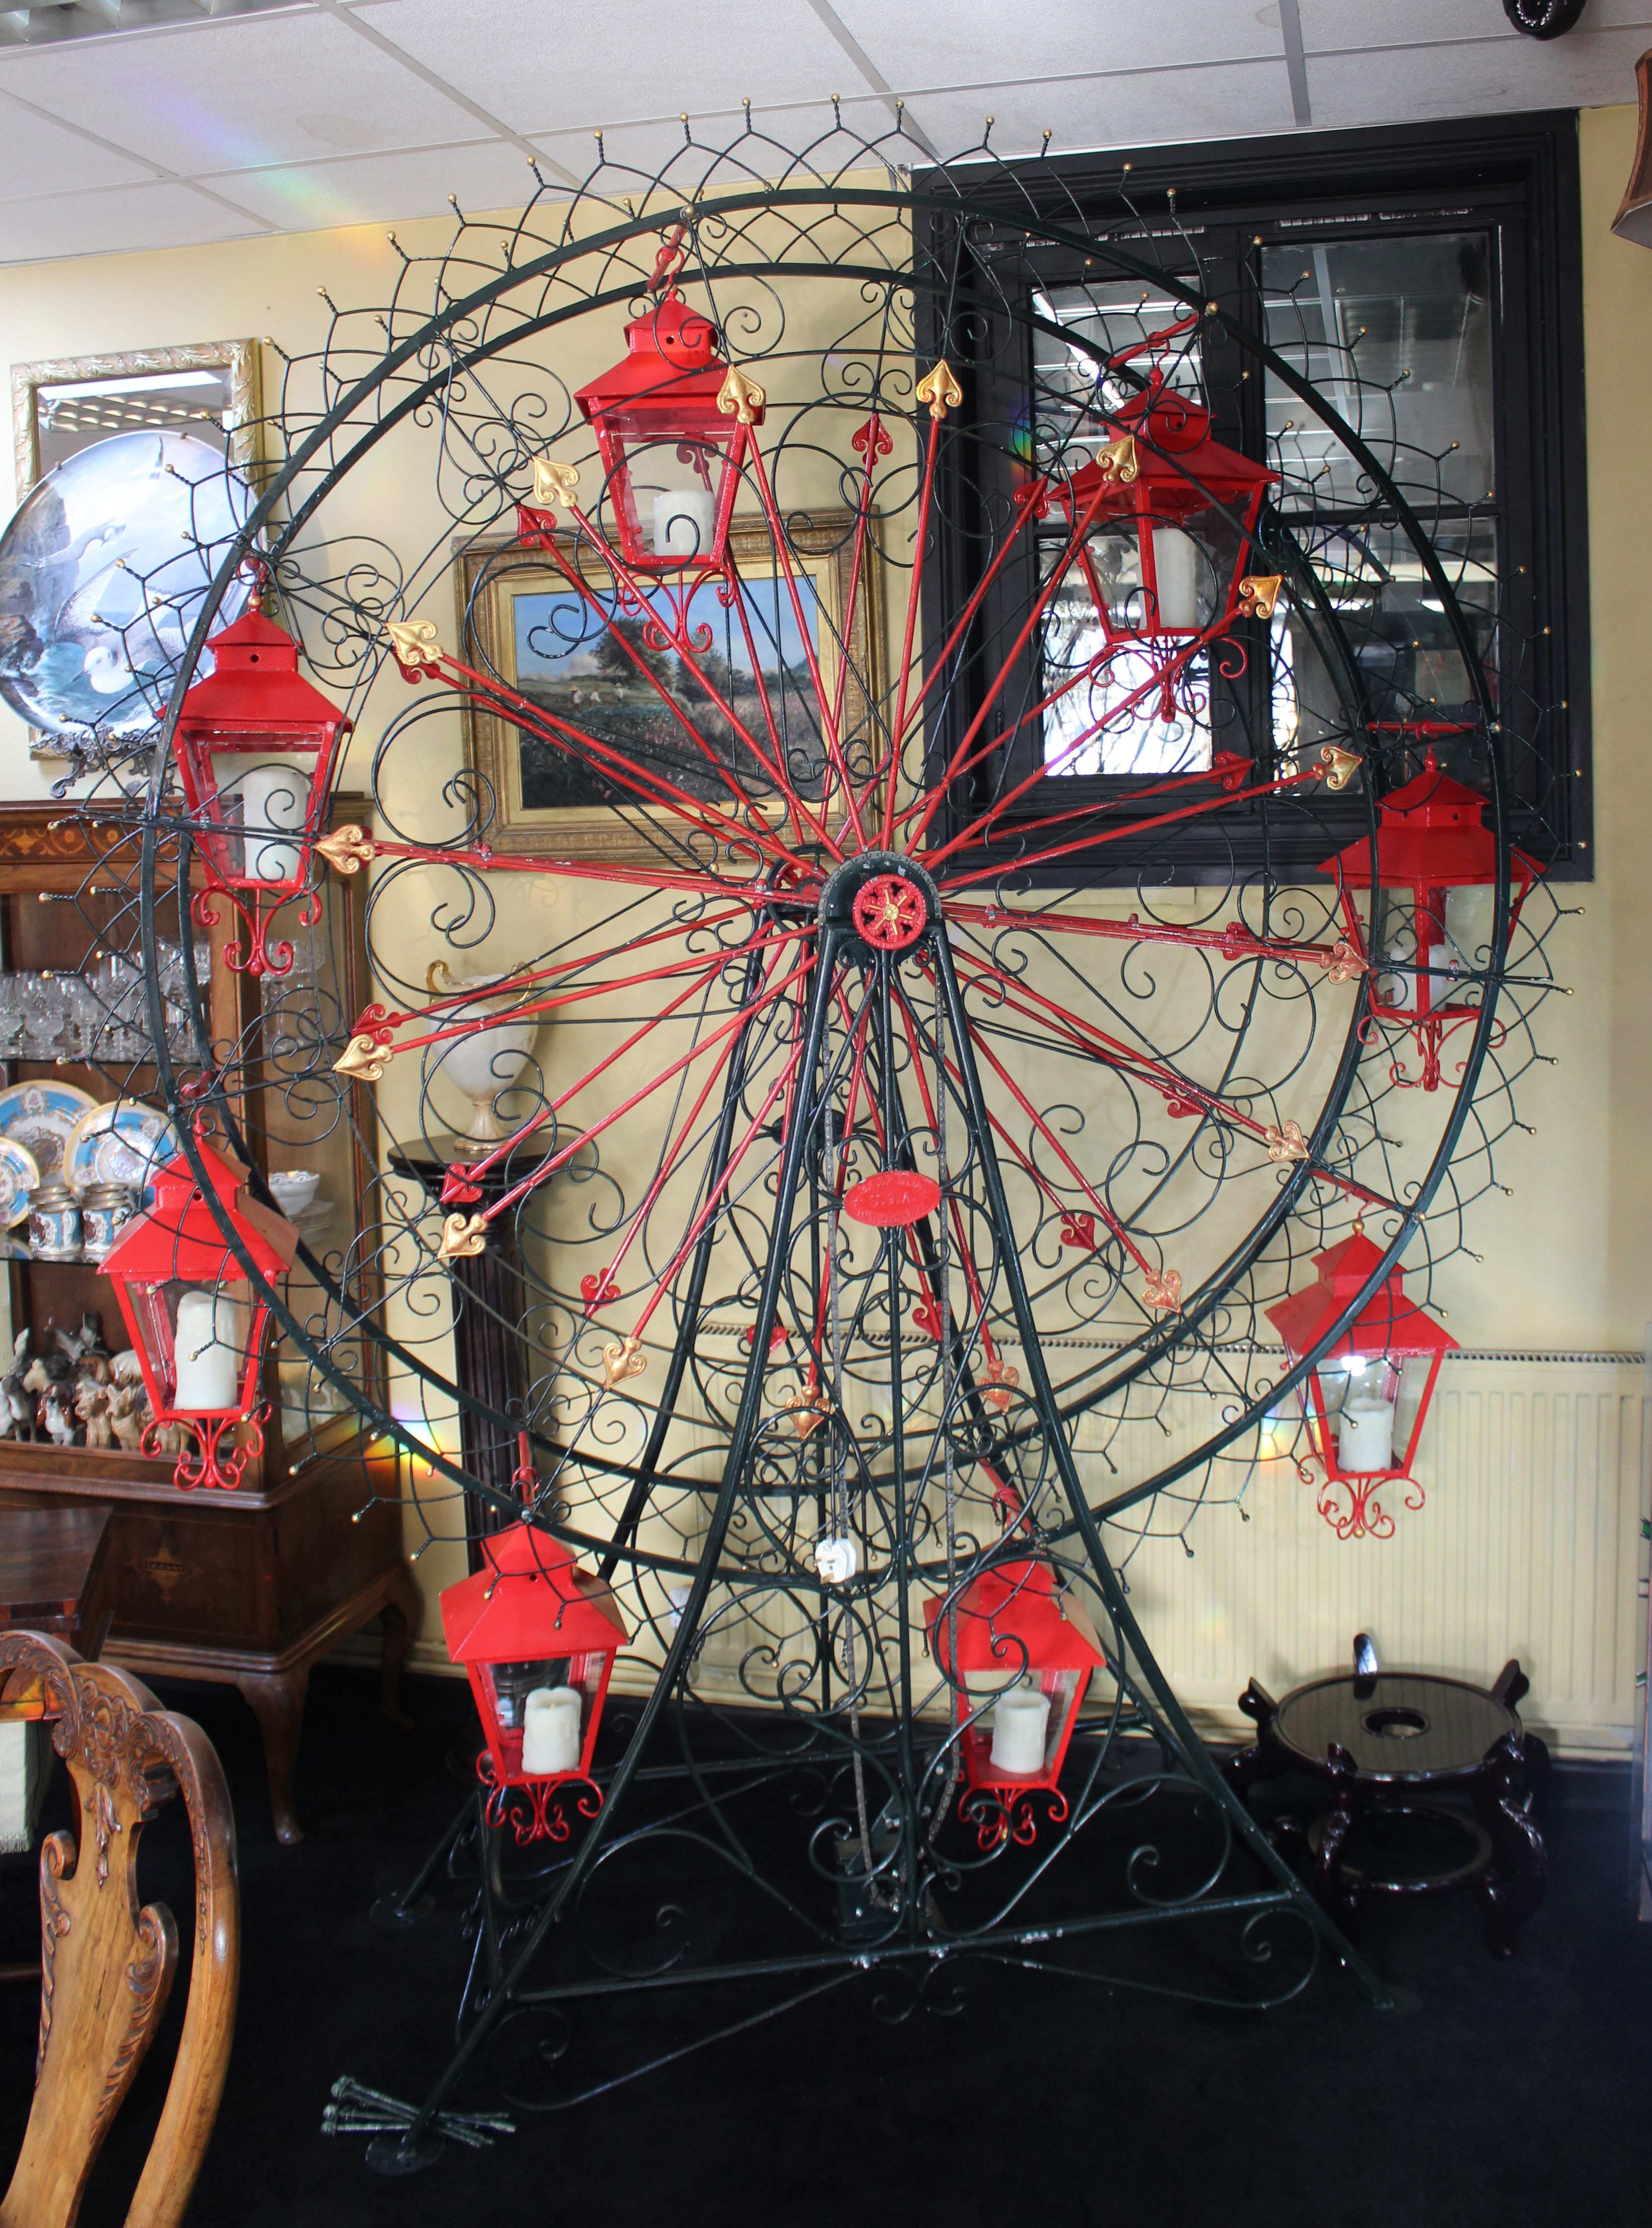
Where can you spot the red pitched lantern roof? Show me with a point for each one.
(530, 1599)
(1388, 1323)
(255, 681)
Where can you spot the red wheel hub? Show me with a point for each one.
(889, 913)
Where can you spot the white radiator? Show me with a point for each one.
(1528, 1545)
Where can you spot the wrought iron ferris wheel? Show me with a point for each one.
(909, 901)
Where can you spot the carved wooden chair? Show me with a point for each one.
(107, 1966)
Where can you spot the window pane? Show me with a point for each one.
(1395, 625)
(1397, 332)
(1068, 380)
(1114, 713)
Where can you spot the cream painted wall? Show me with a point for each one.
(1564, 1257)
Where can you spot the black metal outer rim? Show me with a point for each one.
(385, 1425)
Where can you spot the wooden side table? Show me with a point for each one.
(1388, 1745)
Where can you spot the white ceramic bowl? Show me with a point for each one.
(293, 1188)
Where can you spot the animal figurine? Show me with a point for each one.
(92, 1406)
(45, 1370)
(124, 1367)
(57, 1414)
(127, 1415)
(88, 1340)
(16, 1403)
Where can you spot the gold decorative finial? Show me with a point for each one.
(1259, 593)
(432, 988)
(940, 390)
(742, 398)
(363, 1059)
(462, 1236)
(554, 483)
(1118, 460)
(1164, 1291)
(622, 1358)
(1286, 1143)
(347, 850)
(1343, 764)
(415, 646)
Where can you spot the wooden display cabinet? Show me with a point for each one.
(250, 1587)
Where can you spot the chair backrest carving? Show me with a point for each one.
(107, 1965)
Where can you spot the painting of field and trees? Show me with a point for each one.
(590, 666)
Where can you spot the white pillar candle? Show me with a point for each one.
(274, 795)
(1020, 1720)
(551, 1731)
(1175, 565)
(1365, 1440)
(683, 522)
(207, 1360)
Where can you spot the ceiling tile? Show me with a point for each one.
(969, 43)
(38, 154)
(542, 69)
(111, 222)
(1355, 24)
(384, 188)
(1141, 110)
(1409, 84)
(236, 92)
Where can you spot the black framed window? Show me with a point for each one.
(1428, 281)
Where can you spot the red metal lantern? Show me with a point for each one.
(676, 407)
(193, 1317)
(256, 746)
(1026, 1651)
(1437, 870)
(538, 1637)
(1171, 511)
(1369, 1395)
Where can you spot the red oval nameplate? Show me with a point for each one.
(891, 1198)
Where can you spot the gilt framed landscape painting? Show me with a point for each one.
(604, 674)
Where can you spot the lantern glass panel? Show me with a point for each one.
(1403, 942)
(263, 799)
(1107, 716)
(1467, 915)
(196, 1339)
(1365, 1431)
(507, 1686)
(1415, 1370)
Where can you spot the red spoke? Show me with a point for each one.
(829, 728)
(1049, 770)
(1058, 573)
(899, 729)
(649, 787)
(1235, 941)
(1027, 501)
(1181, 1096)
(781, 1083)
(548, 1167)
(877, 443)
(701, 969)
(681, 642)
(1140, 827)
(1065, 1157)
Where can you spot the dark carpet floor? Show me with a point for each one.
(1515, 2095)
